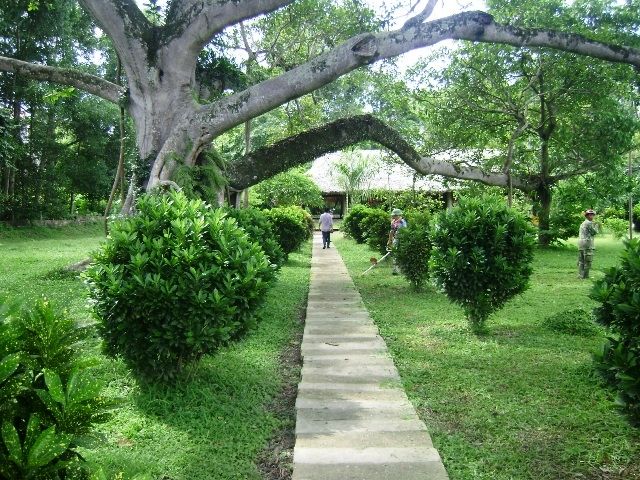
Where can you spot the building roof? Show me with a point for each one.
(387, 176)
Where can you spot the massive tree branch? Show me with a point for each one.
(363, 49)
(131, 33)
(267, 161)
(199, 21)
(83, 81)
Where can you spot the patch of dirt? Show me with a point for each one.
(276, 460)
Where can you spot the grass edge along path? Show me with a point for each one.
(521, 402)
(232, 418)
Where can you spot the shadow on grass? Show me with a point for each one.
(211, 425)
(295, 263)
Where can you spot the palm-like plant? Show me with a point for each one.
(352, 173)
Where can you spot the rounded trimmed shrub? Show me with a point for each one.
(481, 257)
(175, 282)
(292, 226)
(352, 223)
(376, 225)
(260, 229)
(413, 250)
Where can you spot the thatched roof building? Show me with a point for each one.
(383, 175)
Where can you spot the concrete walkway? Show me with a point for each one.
(354, 421)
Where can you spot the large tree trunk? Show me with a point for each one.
(543, 199)
(546, 128)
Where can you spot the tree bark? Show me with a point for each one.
(268, 161)
(159, 62)
(543, 197)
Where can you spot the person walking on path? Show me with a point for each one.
(588, 230)
(326, 227)
(397, 222)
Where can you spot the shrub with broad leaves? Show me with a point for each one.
(352, 223)
(50, 399)
(413, 249)
(175, 282)
(376, 225)
(260, 229)
(618, 294)
(482, 254)
(292, 226)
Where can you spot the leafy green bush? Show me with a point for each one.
(614, 212)
(260, 229)
(572, 322)
(405, 200)
(567, 210)
(49, 398)
(482, 253)
(618, 227)
(290, 188)
(175, 282)
(352, 223)
(376, 225)
(292, 227)
(619, 309)
(413, 249)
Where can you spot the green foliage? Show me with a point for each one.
(405, 200)
(618, 227)
(49, 397)
(614, 212)
(413, 249)
(482, 253)
(569, 200)
(260, 229)
(576, 321)
(351, 174)
(292, 227)
(204, 180)
(215, 74)
(619, 310)
(179, 279)
(292, 188)
(352, 223)
(376, 225)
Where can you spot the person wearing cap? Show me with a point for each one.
(397, 222)
(588, 230)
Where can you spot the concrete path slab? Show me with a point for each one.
(353, 419)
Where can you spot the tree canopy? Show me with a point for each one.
(174, 126)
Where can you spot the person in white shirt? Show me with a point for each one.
(326, 227)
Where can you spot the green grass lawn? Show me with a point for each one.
(32, 262)
(218, 423)
(521, 402)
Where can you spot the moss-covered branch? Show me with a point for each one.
(267, 161)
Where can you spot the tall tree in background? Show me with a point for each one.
(539, 116)
(36, 173)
